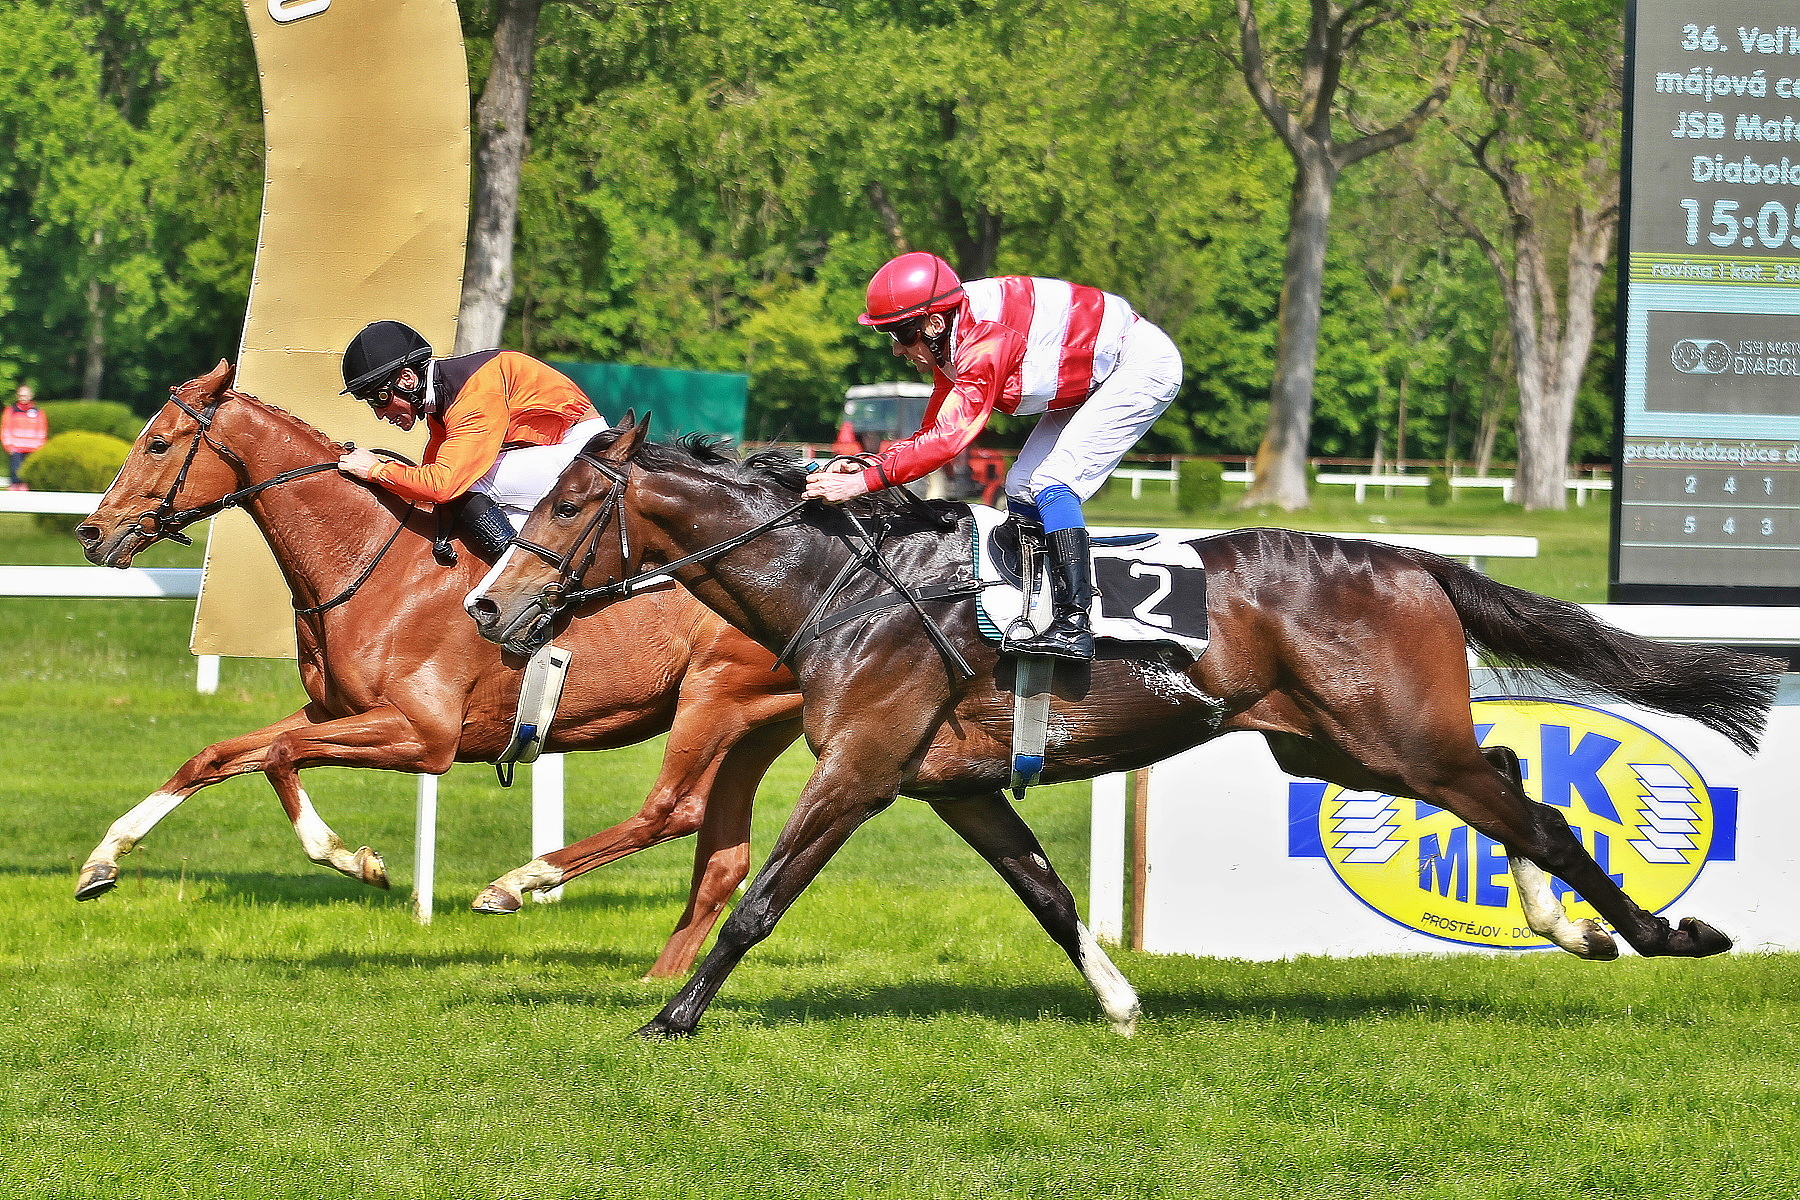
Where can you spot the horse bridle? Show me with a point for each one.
(558, 595)
(167, 521)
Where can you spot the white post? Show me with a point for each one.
(547, 814)
(1106, 866)
(206, 675)
(425, 848)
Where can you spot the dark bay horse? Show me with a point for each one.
(1349, 657)
(398, 679)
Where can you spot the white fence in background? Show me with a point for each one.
(1362, 483)
(183, 583)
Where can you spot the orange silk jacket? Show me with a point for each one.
(485, 402)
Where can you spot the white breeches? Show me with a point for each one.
(1079, 447)
(522, 477)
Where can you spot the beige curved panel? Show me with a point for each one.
(365, 209)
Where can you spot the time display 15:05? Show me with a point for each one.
(1774, 226)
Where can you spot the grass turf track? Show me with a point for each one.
(234, 1020)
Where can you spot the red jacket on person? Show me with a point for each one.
(1019, 344)
(23, 429)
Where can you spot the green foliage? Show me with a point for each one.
(81, 461)
(129, 149)
(711, 184)
(1437, 489)
(1199, 485)
(94, 416)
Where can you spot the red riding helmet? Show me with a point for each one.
(911, 286)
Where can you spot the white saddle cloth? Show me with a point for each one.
(1151, 590)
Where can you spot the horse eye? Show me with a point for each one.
(157, 446)
(565, 509)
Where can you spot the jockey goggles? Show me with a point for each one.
(905, 333)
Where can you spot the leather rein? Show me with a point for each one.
(166, 521)
(558, 594)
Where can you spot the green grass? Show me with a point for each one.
(234, 1021)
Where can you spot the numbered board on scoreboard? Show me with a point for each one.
(1707, 501)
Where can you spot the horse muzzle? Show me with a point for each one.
(523, 632)
(116, 549)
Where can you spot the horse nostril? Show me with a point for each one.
(88, 535)
(484, 611)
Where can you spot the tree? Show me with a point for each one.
(500, 147)
(1303, 92)
(1545, 136)
(126, 129)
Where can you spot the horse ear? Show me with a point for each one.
(631, 435)
(219, 378)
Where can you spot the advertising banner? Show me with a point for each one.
(1243, 861)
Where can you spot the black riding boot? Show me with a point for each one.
(1071, 591)
(486, 524)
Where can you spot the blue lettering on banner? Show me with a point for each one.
(1568, 771)
(1304, 838)
(1725, 823)
(1442, 865)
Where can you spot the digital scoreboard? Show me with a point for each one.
(1707, 475)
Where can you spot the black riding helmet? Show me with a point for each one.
(379, 352)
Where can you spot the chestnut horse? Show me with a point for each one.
(1350, 657)
(398, 679)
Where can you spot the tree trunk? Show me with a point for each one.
(1493, 403)
(1281, 458)
(500, 146)
(93, 364)
(93, 358)
(1558, 352)
(1400, 427)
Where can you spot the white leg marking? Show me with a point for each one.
(531, 877)
(1118, 999)
(319, 840)
(1544, 912)
(130, 829)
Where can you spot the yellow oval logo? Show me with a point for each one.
(1638, 805)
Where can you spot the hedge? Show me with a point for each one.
(80, 461)
(94, 416)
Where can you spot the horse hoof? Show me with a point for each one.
(497, 901)
(96, 879)
(1696, 939)
(1598, 945)
(660, 1031)
(371, 869)
(1126, 1026)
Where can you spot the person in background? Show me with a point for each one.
(23, 431)
(1100, 374)
(502, 426)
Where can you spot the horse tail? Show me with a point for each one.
(1725, 690)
